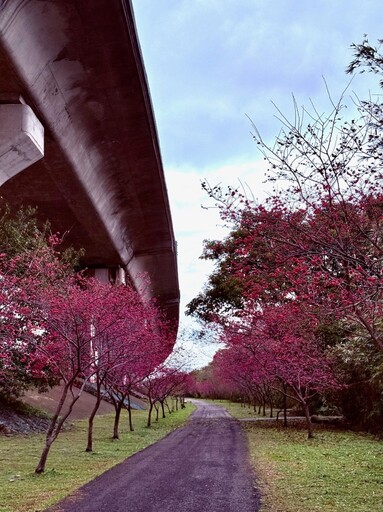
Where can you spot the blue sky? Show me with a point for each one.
(212, 63)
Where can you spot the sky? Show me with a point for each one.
(216, 66)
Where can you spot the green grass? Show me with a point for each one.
(337, 471)
(69, 466)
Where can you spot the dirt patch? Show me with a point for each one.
(15, 419)
(82, 409)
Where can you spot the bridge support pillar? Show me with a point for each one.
(21, 139)
(115, 275)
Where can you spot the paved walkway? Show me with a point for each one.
(201, 467)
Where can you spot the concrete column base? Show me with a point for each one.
(21, 139)
(115, 275)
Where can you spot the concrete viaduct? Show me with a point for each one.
(78, 137)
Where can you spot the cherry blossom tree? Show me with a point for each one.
(95, 329)
(68, 314)
(161, 383)
(241, 376)
(282, 346)
(30, 263)
(315, 243)
(321, 225)
(147, 337)
(129, 342)
(21, 336)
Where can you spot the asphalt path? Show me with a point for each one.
(202, 467)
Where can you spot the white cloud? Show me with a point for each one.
(196, 219)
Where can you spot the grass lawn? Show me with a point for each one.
(337, 471)
(69, 466)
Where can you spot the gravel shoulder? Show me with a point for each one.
(201, 467)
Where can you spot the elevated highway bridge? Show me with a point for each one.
(78, 137)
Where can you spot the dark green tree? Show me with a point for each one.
(222, 294)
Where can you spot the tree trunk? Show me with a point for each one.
(100, 380)
(157, 411)
(284, 410)
(117, 407)
(149, 422)
(43, 459)
(130, 414)
(56, 426)
(89, 446)
(310, 432)
(163, 409)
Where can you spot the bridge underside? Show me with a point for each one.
(78, 65)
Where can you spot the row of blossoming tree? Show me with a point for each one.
(58, 326)
(298, 284)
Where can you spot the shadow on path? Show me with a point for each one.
(202, 467)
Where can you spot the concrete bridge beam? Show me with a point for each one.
(78, 65)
